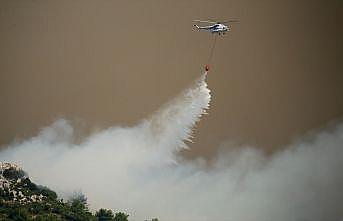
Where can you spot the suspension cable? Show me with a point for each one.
(212, 49)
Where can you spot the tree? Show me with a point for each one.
(104, 215)
(13, 174)
(48, 193)
(78, 201)
(121, 217)
(79, 209)
(20, 214)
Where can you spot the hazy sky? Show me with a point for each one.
(277, 75)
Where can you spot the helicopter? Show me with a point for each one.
(216, 27)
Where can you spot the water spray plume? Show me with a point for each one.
(138, 170)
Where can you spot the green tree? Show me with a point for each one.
(48, 193)
(20, 214)
(13, 174)
(79, 202)
(79, 209)
(48, 217)
(104, 215)
(121, 217)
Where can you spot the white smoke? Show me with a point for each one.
(138, 170)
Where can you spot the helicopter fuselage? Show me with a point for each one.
(216, 28)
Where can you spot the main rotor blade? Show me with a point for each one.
(230, 21)
(205, 21)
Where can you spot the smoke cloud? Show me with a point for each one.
(138, 170)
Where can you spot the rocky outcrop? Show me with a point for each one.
(15, 185)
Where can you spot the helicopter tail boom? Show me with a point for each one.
(203, 28)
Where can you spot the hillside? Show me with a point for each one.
(21, 199)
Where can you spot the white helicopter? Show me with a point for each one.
(217, 27)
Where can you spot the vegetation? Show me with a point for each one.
(104, 215)
(13, 173)
(51, 209)
(22, 200)
(121, 217)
